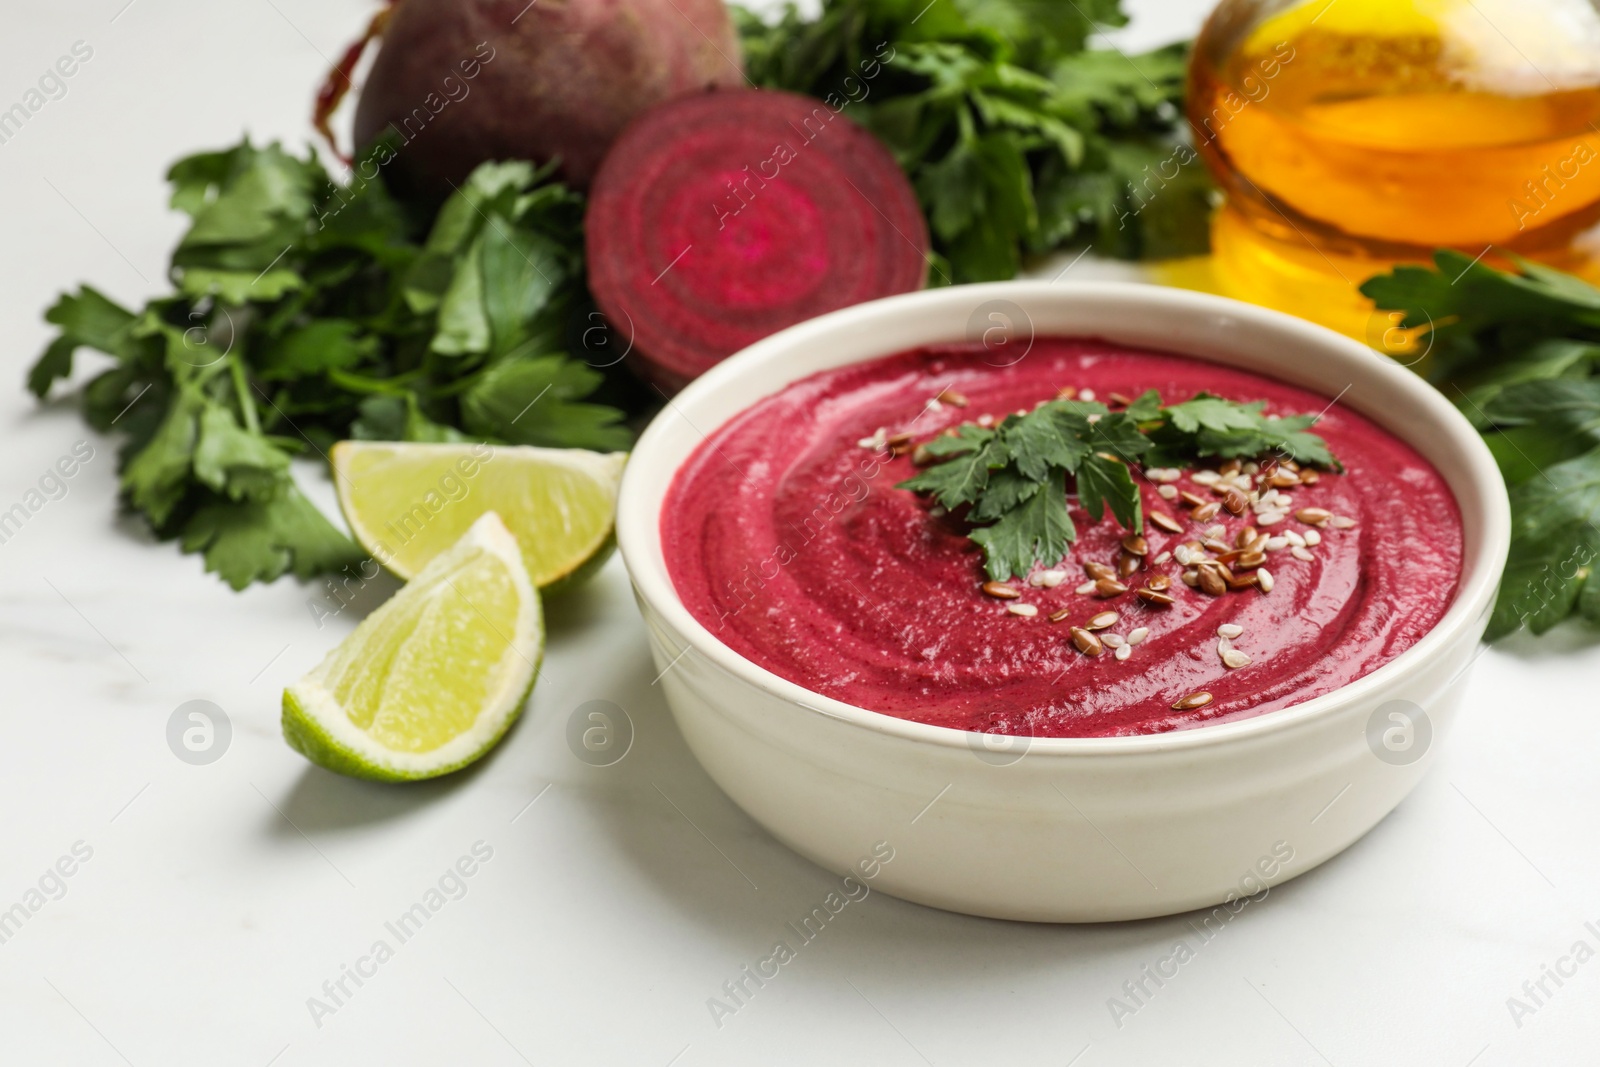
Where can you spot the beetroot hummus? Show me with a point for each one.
(786, 538)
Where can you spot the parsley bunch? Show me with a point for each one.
(1012, 477)
(1518, 352)
(304, 312)
(1017, 139)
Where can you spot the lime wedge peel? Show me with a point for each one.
(433, 678)
(406, 502)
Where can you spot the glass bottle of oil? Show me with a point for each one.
(1350, 135)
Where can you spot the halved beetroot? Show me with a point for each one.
(721, 218)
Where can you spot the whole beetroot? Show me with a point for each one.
(464, 81)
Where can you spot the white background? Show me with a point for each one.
(219, 898)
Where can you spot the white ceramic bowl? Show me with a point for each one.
(1068, 829)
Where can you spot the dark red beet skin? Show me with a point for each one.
(464, 81)
(721, 218)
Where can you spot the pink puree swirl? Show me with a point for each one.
(786, 538)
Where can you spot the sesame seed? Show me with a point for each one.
(1085, 589)
(1113, 640)
(1341, 522)
(1217, 532)
(1300, 553)
(1270, 518)
(1168, 492)
(1264, 580)
(1138, 635)
(1123, 651)
(1294, 538)
(1230, 630)
(1277, 544)
(986, 421)
(1163, 558)
(1086, 394)
(1313, 537)
(1027, 611)
(1206, 477)
(1233, 659)
(1051, 579)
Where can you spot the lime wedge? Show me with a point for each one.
(432, 679)
(406, 503)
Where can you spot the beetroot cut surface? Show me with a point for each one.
(721, 218)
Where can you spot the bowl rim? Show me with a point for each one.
(639, 526)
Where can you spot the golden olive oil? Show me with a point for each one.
(1352, 135)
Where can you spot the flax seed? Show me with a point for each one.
(1159, 560)
(1162, 521)
(1085, 589)
(1235, 501)
(1309, 477)
(1118, 400)
(1198, 699)
(1086, 642)
(1107, 588)
(1156, 598)
(951, 397)
(1098, 571)
(1128, 564)
(1192, 500)
(1207, 512)
(1135, 545)
(1060, 616)
(1102, 621)
(1000, 591)
(1212, 583)
(1159, 582)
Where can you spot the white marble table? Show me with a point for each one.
(208, 904)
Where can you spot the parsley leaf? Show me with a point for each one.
(305, 312)
(1518, 351)
(1016, 137)
(1013, 478)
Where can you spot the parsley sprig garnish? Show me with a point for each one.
(1519, 353)
(1012, 478)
